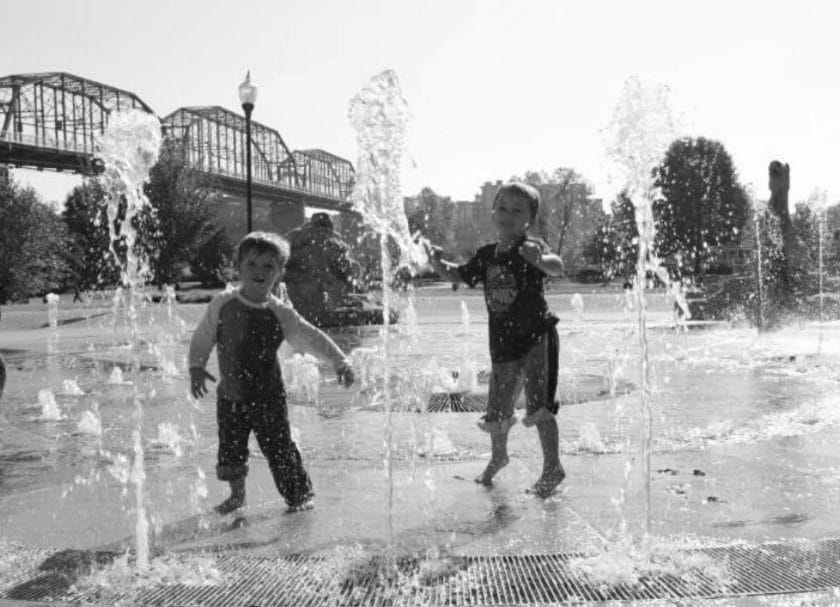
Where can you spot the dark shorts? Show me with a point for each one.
(536, 374)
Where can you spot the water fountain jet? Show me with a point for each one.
(642, 128)
(129, 148)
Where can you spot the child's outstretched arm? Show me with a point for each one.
(305, 337)
(537, 256)
(445, 269)
(201, 344)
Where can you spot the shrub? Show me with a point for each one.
(213, 265)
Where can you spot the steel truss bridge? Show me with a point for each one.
(53, 120)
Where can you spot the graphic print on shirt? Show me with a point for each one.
(500, 288)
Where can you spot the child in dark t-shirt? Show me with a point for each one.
(522, 334)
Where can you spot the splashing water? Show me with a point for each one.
(757, 213)
(408, 318)
(168, 436)
(642, 128)
(624, 565)
(50, 411)
(110, 582)
(437, 442)
(379, 114)
(70, 387)
(465, 318)
(818, 201)
(90, 423)
(52, 318)
(170, 298)
(129, 147)
(577, 305)
(301, 377)
(116, 376)
(589, 439)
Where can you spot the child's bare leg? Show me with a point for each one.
(552, 473)
(498, 457)
(236, 499)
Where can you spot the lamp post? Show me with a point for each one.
(247, 96)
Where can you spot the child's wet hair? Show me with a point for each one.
(263, 242)
(523, 190)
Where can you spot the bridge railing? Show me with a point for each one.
(271, 183)
(47, 142)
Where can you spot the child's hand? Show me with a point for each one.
(345, 375)
(532, 252)
(435, 253)
(197, 378)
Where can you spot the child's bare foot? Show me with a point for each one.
(549, 480)
(490, 471)
(234, 502)
(307, 502)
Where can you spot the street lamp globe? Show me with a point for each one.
(247, 91)
(248, 95)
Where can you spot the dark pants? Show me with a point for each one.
(270, 424)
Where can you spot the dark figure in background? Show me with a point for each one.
(320, 272)
(779, 185)
(2, 376)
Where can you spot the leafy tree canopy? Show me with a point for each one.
(701, 207)
(33, 244)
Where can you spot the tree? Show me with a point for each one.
(87, 222)
(432, 217)
(805, 223)
(702, 206)
(181, 217)
(32, 245)
(48, 264)
(614, 247)
(171, 231)
(564, 194)
(213, 263)
(568, 217)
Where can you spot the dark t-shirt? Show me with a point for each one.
(247, 339)
(515, 298)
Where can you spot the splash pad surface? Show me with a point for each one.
(744, 459)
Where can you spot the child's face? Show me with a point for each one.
(512, 216)
(258, 273)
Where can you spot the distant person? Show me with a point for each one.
(523, 337)
(2, 374)
(321, 269)
(247, 326)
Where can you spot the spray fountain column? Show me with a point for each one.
(757, 214)
(379, 114)
(642, 128)
(129, 148)
(818, 201)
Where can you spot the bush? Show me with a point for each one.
(590, 275)
(720, 268)
(213, 265)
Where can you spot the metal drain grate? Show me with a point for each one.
(472, 581)
(457, 402)
(21, 576)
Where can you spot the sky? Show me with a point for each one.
(494, 88)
